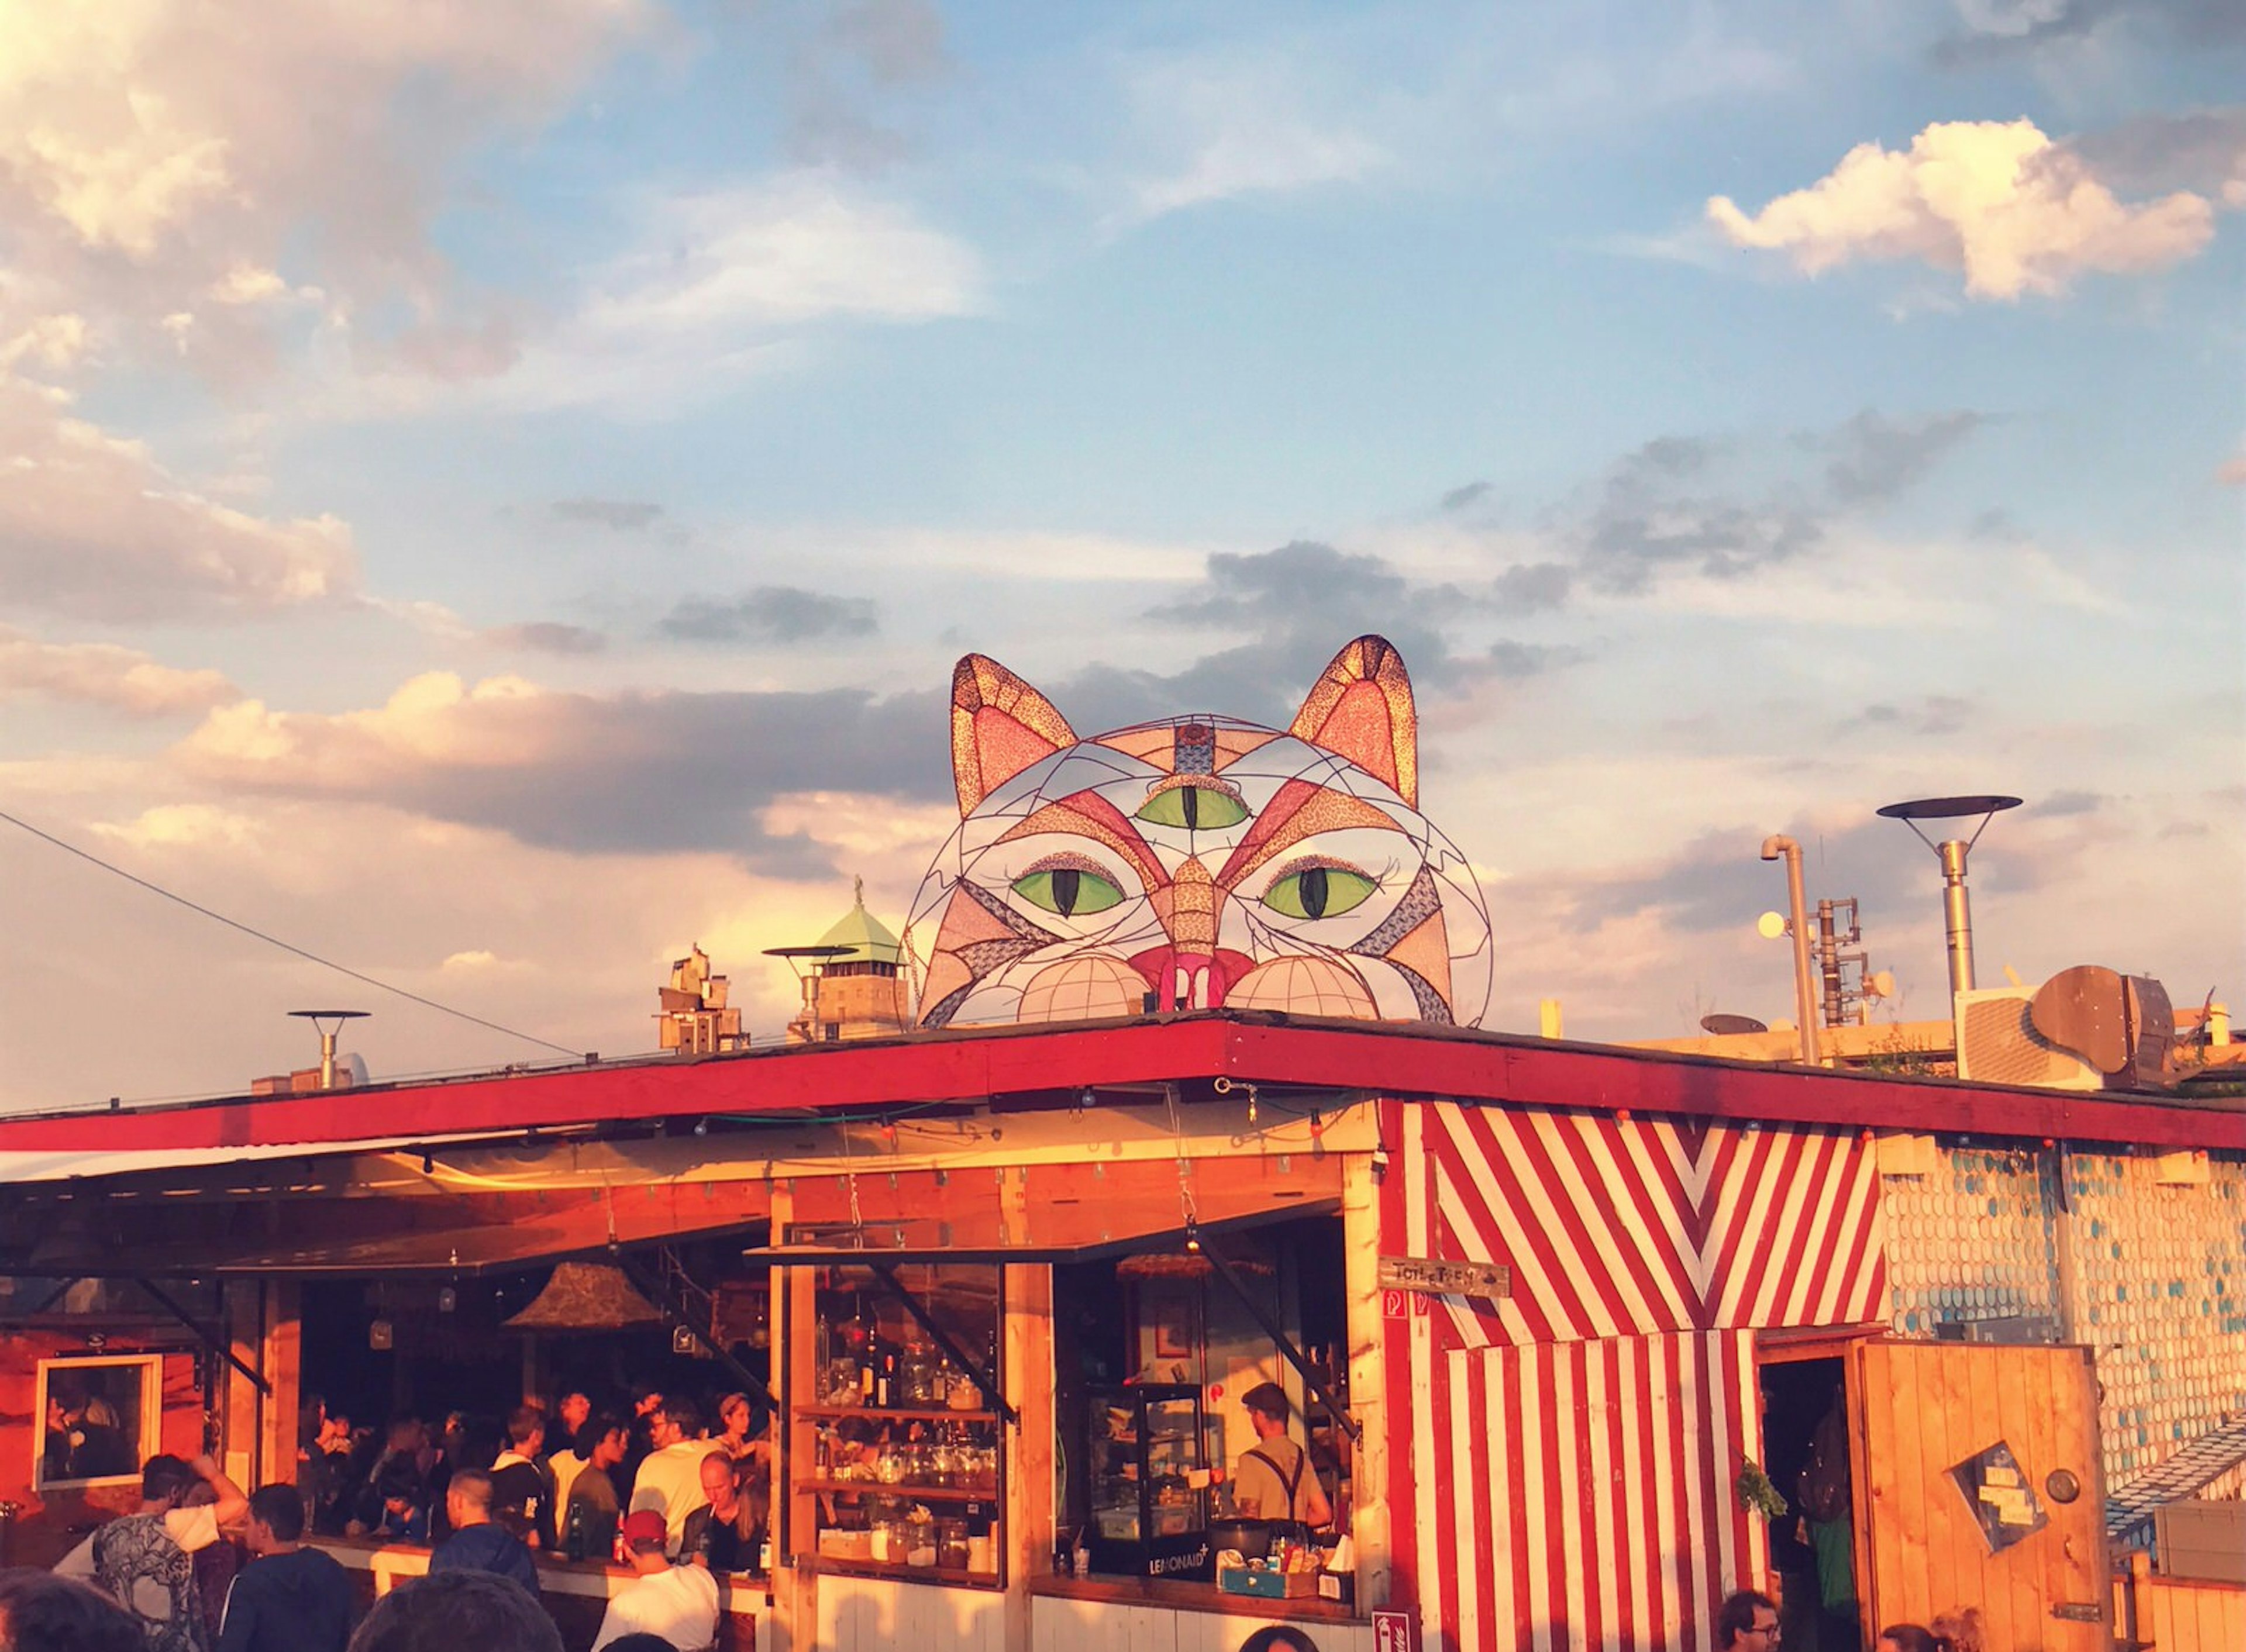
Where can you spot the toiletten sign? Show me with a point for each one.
(1445, 1279)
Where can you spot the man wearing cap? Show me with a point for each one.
(678, 1603)
(1274, 1480)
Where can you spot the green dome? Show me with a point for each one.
(868, 940)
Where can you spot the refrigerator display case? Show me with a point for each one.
(1149, 1482)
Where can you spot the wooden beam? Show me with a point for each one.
(1027, 1358)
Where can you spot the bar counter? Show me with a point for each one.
(575, 1591)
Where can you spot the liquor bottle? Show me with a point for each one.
(573, 1539)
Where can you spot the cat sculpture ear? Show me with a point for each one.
(999, 726)
(1361, 707)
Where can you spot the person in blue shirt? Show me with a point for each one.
(476, 1543)
(289, 1598)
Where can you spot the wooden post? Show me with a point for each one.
(1368, 1379)
(794, 1362)
(282, 1363)
(242, 1308)
(1027, 1367)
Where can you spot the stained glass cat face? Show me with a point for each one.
(1197, 862)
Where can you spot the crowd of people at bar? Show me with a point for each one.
(647, 1486)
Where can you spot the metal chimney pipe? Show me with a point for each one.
(1957, 913)
(1805, 990)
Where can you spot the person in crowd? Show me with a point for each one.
(522, 1498)
(1273, 1481)
(477, 1544)
(593, 1498)
(725, 1535)
(670, 1479)
(737, 1435)
(640, 1441)
(394, 1504)
(1827, 1529)
(451, 1454)
(55, 1459)
(638, 1640)
(214, 1568)
(1909, 1637)
(40, 1612)
(676, 1603)
(143, 1559)
(289, 1598)
(464, 1611)
(570, 1417)
(1746, 1622)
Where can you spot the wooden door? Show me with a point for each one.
(1928, 1545)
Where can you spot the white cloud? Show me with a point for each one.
(91, 527)
(183, 826)
(1228, 124)
(102, 674)
(1997, 199)
(718, 287)
(154, 155)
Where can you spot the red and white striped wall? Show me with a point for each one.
(1563, 1459)
(1588, 1508)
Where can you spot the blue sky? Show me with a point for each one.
(494, 496)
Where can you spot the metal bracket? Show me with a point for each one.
(985, 1380)
(1272, 1329)
(659, 1294)
(210, 1339)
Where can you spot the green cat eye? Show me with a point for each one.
(1068, 891)
(1318, 891)
(1197, 808)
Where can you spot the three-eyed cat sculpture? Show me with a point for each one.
(1197, 862)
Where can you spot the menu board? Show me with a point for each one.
(1996, 1490)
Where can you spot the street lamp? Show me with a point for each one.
(1778, 846)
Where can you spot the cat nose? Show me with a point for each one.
(1194, 903)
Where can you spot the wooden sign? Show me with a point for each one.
(1445, 1279)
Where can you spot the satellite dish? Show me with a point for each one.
(1724, 1026)
(1881, 985)
(1770, 925)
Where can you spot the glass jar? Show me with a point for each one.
(951, 1545)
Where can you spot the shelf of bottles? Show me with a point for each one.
(899, 1458)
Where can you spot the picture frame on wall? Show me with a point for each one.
(1176, 1325)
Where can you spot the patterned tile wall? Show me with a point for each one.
(2159, 1291)
(1972, 1241)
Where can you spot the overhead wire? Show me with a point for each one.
(274, 941)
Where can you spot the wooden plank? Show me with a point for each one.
(1952, 1568)
(2023, 1403)
(1984, 1423)
(1895, 1407)
(2041, 1383)
(2082, 1569)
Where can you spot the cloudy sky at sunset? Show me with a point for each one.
(492, 494)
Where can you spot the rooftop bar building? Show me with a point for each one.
(1637, 1261)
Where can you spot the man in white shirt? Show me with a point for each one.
(670, 1479)
(678, 1603)
(142, 1559)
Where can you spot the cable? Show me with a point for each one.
(272, 941)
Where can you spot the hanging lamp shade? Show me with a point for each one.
(586, 1296)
